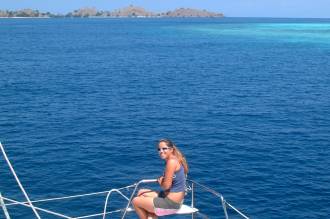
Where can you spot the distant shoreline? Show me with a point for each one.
(110, 17)
(130, 12)
(25, 17)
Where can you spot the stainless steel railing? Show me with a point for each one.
(222, 200)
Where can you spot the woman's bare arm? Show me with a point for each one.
(166, 181)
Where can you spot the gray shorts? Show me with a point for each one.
(165, 206)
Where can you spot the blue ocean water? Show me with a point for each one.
(84, 101)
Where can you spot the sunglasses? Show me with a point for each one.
(163, 149)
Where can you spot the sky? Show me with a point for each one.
(231, 8)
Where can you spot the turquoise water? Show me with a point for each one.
(318, 33)
(83, 102)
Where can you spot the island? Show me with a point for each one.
(130, 11)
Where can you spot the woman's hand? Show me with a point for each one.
(160, 180)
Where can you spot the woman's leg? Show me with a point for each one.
(152, 216)
(147, 193)
(143, 206)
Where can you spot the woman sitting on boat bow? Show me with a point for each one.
(149, 203)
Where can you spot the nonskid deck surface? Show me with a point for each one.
(185, 209)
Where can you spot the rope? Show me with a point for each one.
(237, 210)
(18, 182)
(5, 211)
(99, 214)
(40, 209)
(61, 198)
(72, 196)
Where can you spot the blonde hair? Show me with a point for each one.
(182, 160)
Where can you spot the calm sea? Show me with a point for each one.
(84, 101)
